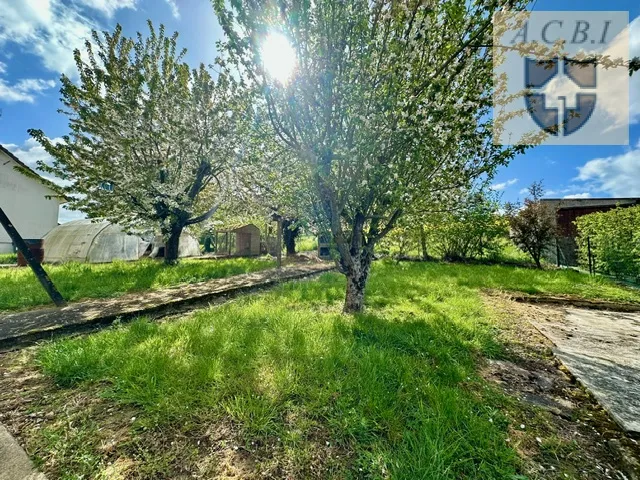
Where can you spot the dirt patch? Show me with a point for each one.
(564, 432)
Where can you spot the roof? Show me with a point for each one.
(26, 170)
(562, 203)
(234, 228)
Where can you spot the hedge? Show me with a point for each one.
(615, 241)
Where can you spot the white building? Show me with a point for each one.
(31, 205)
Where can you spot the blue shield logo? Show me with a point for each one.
(539, 73)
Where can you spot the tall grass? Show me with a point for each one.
(20, 289)
(8, 258)
(307, 244)
(390, 393)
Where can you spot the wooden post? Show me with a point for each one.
(39, 272)
(592, 267)
(279, 243)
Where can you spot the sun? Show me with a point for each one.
(278, 57)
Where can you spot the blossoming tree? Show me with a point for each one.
(387, 106)
(148, 135)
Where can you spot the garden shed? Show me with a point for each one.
(102, 242)
(241, 241)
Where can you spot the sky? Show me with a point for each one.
(37, 38)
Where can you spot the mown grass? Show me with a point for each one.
(8, 258)
(392, 393)
(20, 289)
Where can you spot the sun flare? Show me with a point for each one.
(278, 57)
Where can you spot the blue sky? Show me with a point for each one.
(37, 38)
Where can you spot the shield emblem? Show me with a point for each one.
(540, 73)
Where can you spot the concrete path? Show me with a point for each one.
(25, 327)
(14, 463)
(602, 350)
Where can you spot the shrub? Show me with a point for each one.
(473, 229)
(615, 241)
(532, 225)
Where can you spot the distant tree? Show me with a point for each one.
(532, 225)
(148, 135)
(389, 103)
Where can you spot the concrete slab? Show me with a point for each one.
(602, 350)
(14, 463)
(24, 327)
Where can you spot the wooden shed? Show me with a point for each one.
(247, 240)
(242, 241)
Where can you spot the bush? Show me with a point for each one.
(532, 225)
(471, 234)
(474, 229)
(615, 241)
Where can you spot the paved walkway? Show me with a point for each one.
(14, 463)
(602, 350)
(25, 327)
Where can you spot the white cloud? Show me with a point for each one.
(65, 215)
(578, 195)
(108, 7)
(634, 51)
(30, 152)
(617, 175)
(3, 67)
(24, 90)
(52, 29)
(503, 185)
(174, 8)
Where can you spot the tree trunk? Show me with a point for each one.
(423, 243)
(356, 282)
(172, 244)
(290, 235)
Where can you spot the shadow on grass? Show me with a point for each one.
(394, 388)
(20, 289)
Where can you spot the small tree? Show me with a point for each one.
(148, 135)
(533, 225)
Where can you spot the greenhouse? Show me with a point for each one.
(102, 242)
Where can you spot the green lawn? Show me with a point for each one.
(8, 258)
(19, 288)
(286, 384)
(392, 392)
(534, 281)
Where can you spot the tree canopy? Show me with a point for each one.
(147, 134)
(387, 106)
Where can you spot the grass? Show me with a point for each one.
(390, 393)
(8, 258)
(292, 387)
(534, 281)
(20, 289)
(307, 244)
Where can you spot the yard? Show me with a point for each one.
(283, 385)
(19, 289)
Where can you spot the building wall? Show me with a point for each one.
(247, 240)
(24, 201)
